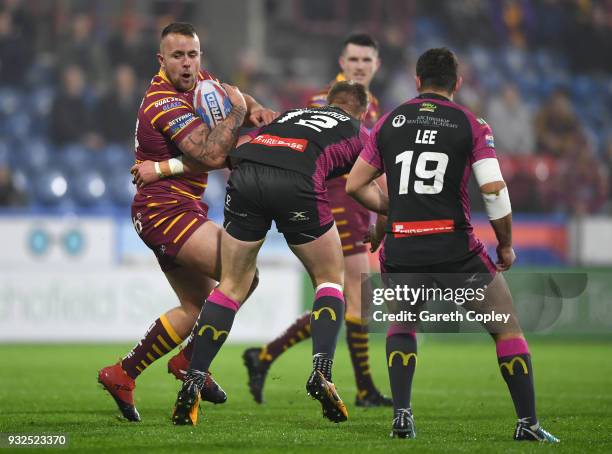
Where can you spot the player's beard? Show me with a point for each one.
(184, 83)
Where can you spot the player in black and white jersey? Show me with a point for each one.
(280, 176)
(428, 147)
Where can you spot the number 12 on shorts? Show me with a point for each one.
(421, 171)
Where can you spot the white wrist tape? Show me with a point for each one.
(487, 171)
(176, 165)
(497, 205)
(158, 170)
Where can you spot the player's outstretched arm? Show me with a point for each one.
(147, 172)
(210, 148)
(361, 186)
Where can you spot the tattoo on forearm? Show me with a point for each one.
(216, 144)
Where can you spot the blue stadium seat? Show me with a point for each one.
(583, 87)
(33, 155)
(50, 187)
(76, 159)
(18, 125)
(121, 188)
(10, 100)
(480, 59)
(88, 188)
(114, 158)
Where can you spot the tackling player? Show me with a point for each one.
(428, 147)
(169, 215)
(280, 175)
(359, 62)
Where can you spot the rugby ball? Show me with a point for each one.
(210, 102)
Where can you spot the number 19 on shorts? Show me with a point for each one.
(421, 172)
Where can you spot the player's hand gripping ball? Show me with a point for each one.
(211, 102)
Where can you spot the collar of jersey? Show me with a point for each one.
(432, 96)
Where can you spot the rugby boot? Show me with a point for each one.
(325, 392)
(374, 398)
(257, 371)
(178, 366)
(525, 432)
(403, 424)
(121, 387)
(187, 403)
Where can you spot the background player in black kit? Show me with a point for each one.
(428, 148)
(280, 175)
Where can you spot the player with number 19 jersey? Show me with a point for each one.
(426, 147)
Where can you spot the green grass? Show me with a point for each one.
(461, 403)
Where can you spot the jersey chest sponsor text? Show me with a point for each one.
(286, 142)
(420, 228)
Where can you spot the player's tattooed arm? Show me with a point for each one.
(210, 148)
(362, 187)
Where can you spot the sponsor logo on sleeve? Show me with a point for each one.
(490, 141)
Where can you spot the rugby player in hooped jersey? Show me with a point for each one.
(428, 148)
(281, 175)
(168, 214)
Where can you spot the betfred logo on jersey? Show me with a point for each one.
(419, 228)
(287, 142)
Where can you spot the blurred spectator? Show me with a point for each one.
(515, 22)
(9, 194)
(511, 121)
(608, 171)
(581, 186)
(558, 131)
(81, 49)
(117, 110)
(471, 94)
(14, 52)
(72, 120)
(134, 47)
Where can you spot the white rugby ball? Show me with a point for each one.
(210, 102)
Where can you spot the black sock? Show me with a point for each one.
(325, 320)
(401, 361)
(518, 374)
(211, 330)
(515, 366)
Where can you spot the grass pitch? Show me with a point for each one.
(460, 401)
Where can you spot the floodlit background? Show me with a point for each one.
(72, 74)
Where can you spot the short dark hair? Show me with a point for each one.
(437, 68)
(180, 28)
(360, 39)
(350, 94)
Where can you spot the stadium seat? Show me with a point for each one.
(50, 187)
(76, 158)
(18, 125)
(33, 156)
(10, 101)
(120, 188)
(88, 188)
(113, 158)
